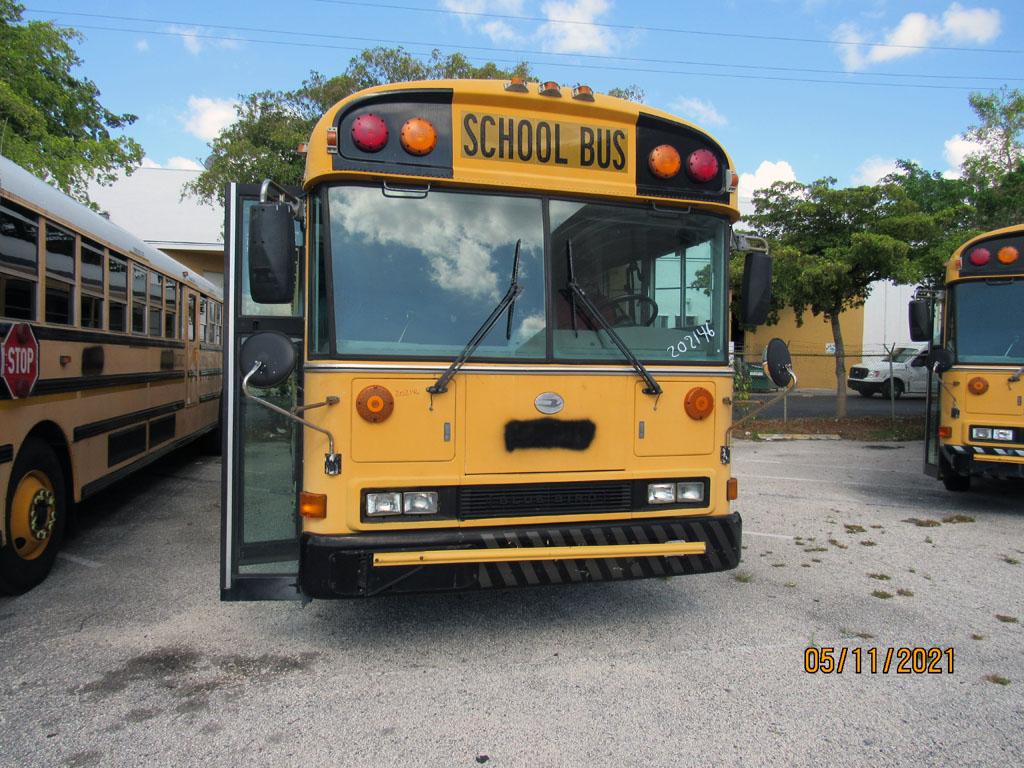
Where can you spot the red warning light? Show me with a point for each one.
(702, 165)
(370, 132)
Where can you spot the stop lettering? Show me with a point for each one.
(19, 360)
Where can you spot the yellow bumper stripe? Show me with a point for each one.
(521, 554)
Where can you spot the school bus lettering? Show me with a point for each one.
(543, 142)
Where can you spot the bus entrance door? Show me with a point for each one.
(262, 463)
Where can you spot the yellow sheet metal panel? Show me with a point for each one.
(414, 431)
(667, 430)
(495, 401)
(522, 554)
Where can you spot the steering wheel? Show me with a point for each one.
(623, 317)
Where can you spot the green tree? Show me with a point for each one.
(831, 244)
(1000, 132)
(51, 122)
(262, 142)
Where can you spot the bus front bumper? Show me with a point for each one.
(1000, 463)
(367, 564)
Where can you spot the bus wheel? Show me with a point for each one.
(952, 479)
(35, 514)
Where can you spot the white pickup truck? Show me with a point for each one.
(869, 378)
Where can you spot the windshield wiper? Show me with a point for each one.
(577, 294)
(508, 302)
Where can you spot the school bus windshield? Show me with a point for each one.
(414, 276)
(987, 323)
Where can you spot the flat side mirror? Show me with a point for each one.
(275, 355)
(920, 361)
(940, 359)
(271, 253)
(756, 293)
(920, 320)
(777, 363)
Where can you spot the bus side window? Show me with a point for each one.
(90, 306)
(191, 318)
(60, 275)
(202, 319)
(138, 300)
(171, 309)
(19, 259)
(118, 286)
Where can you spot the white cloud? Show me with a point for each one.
(142, 45)
(148, 163)
(956, 149)
(956, 26)
(873, 170)
(189, 38)
(699, 111)
(578, 36)
(207, 117)
(767, 173)
(183, 164)
(498, 30)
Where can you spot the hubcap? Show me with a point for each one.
(33, 515)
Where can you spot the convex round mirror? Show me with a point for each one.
(940, 359)
(777, 363)
(275, 353)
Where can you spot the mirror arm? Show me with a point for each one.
(283, 196)
(768, 403)
(332, 461)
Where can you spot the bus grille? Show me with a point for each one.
(858, 373)
(481, 501)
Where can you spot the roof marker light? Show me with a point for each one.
(583, 93)
(701, 165)
(1007, 254)
(332, 140)
(517, 84)
(418, 136)
(734, 180)
(664, 161)
(550, 88)
(980, 257)
(370, 132)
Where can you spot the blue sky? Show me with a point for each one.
(821, 99)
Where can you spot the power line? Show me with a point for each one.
(673, 30)
(529, 52)
(513, 62)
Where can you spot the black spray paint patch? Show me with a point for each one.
(550, 433)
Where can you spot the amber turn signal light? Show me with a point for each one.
(732, 489)
(664, 161)
(375, 403)
(699, 403)
(418, 136)
(313, 504)
(945, 432)
(977, 386)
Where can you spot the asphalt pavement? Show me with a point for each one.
(822, 403)
(125, 657)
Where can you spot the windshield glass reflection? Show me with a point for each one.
(987, 325)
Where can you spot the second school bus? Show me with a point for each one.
(498, 355)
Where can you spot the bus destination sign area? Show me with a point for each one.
(19, 360)
(551, 143)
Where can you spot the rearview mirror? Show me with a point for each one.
(271, 354)
(777, 363)
(920, 320)
(940, 359)
(272, 254)
(756, 293)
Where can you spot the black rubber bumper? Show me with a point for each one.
(342, 566)
(963, 460)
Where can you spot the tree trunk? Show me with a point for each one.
(837, 335)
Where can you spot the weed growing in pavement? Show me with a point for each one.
(778, 565)
(1010, 560)
(744, 578)
(904, 593)
(922, 523)
(816, 549)
(879, 576)
(867, 543)
(838, 544)
(928, 540)
(997, 679)
(976, 636)
(958, 519)
(790, 584)
(851, 528)
(1006, 619)
(881, 594)
(855, 633)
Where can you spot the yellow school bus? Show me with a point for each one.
(497, 356)
(110, 356)
(975, 423)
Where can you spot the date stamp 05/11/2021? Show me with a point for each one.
(828, 660)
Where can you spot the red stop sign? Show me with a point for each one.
(19, 360)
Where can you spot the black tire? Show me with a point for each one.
(952, 479)
(24, 563)
(865, 393)
(897, 389)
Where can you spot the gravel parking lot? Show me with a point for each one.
(126, 657)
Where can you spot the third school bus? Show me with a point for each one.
(497, 355)
(975, 421)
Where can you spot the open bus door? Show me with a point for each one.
(262, 450)
(933, 398)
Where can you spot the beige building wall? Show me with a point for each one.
(206, 262)
(811, 344)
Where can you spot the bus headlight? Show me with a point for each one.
(690, 491)
(661, 493)
(383, 504)
(981, 433)
(420, 502)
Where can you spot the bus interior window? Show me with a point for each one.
(171, 309)
(138, 300)
(117, 280)
(19, 257)
(91, 304)
(60, 275)
(156, 296)
(202, 320)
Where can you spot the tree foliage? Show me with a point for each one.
(262, 142)
(999, 131)
(51, 122)
(831, 244)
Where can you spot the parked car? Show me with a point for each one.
(908, 378)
